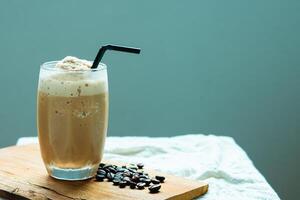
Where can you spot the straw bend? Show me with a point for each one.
(103, 49)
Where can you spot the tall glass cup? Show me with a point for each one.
(72, 115)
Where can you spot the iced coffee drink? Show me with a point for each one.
(72, 117)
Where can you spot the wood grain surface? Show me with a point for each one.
(23, 176)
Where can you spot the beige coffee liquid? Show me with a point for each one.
(72, 130)
(72, 118)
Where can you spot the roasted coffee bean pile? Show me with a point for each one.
(132, 176)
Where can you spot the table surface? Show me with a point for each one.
(217, 160)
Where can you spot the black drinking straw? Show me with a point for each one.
(114, 48)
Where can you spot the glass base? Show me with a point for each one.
(72, 174)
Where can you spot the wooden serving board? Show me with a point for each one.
(23, 176)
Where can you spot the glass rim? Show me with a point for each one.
(50, 67)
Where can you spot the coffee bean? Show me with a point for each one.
(143, 176)
(116, 181)
(112, 170)
(100, 177)
(110, 176)
(154, 188)
(133, 169)
(140, 185)
(101, 165)
(127, 173)
(135, 178)
(154, 181)
(140, 165)
(135, 174)
(147, 181)
(119, 169)
(127, 179)
(122, 184)
(107, 166)
(160, 178)
(132, 186)
(101, 171)
(119, 175)
(141, 173)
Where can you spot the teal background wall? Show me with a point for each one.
(214, 67)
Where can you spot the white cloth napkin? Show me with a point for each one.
(217, 160)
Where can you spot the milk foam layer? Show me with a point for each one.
(72, 64)
(72, 77)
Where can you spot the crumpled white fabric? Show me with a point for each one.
(218, 160)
